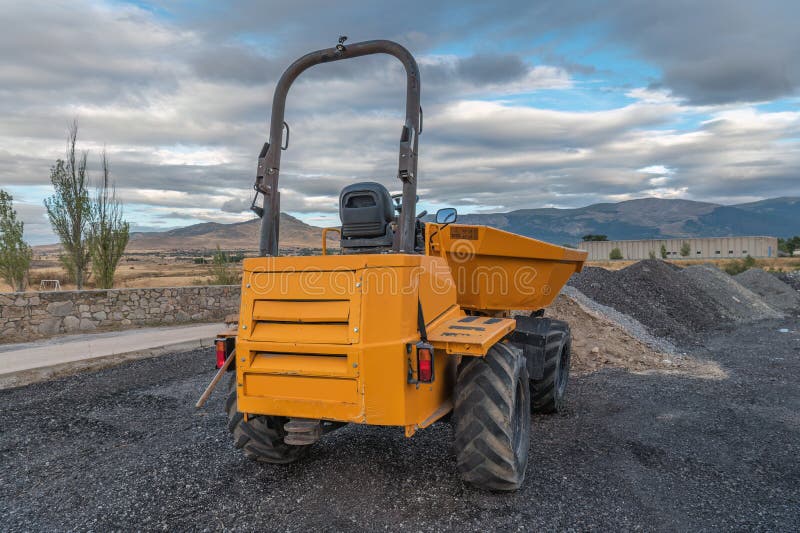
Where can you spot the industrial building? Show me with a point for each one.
(705, 248)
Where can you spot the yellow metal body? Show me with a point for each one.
(333, 337)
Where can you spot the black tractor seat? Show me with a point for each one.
(367, 213)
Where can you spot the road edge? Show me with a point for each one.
(46, 373)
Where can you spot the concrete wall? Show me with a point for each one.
(706, 248)
(31, 315)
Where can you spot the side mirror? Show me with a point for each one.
(448, 215)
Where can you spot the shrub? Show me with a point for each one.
(737, 267)
(663, 251)
(652, 254)
(222, 271)
(615, 254)
(685, 249)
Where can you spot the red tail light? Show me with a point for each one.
(424, 363)
(221, 355)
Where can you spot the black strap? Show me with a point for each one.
(423, 334)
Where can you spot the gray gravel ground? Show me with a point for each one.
(775, 292)
(737, 302)
(123, 449)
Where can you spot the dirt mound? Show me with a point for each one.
(776, 293)
(656, 294)
(599, 343)
(737, 302)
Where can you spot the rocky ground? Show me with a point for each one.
(123, 448)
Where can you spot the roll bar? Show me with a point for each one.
(270, 158)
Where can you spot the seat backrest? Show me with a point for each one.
(366, 209)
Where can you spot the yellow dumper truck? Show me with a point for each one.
(409, 322)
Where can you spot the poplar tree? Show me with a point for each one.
(109, 233)
(70, 209)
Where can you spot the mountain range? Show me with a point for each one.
(646, 218)
(650, 218)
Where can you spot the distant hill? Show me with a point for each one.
(647, 218)
(236, 236)
(650, 218)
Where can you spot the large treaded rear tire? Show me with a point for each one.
(548, 395)
(492, 419)
(261, 437)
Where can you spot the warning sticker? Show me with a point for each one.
(464, 232)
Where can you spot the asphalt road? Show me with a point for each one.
(124, 449)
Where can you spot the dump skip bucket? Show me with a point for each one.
(496, 270)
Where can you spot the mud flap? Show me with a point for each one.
(530, 334)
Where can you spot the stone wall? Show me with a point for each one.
(33, 315)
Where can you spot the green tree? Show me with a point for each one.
(652, 254)
(663, 251)
(15, 254)
(591, 237)
(685, 249)
(789, 245)
(222, 270)
(616, 253)
(70, 209)
(109, 233)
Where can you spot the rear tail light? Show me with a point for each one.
(221, 352)
(425, 363)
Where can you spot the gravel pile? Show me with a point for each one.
(656, 294)
(776, 293)
(630, 325)
(738, 303)
(790, 278)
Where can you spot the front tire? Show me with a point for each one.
(549, 394)
(492, 419)
(261, 437)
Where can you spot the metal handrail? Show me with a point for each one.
(325, 232)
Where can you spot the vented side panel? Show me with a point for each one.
(304, 311)
(293, 332)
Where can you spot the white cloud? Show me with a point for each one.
(657, 169)
(183, 116)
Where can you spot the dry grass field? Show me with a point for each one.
(179, 269)
(136, 270)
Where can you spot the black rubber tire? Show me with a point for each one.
(261, 437)
(492, 419)
(549, 394)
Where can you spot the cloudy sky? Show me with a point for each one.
(527, 103)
